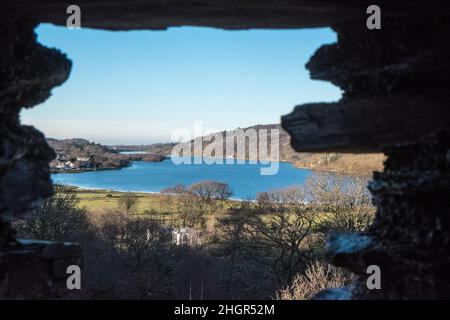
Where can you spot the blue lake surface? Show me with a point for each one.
(245, 179)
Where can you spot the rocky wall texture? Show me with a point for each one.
(36, 269)
(410, 238)
(395, 98)
(28, 72)
(394, 81)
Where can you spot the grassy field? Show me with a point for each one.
(156, 206)
(150, 205)
(96, 200)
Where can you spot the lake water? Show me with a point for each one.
(244, 179)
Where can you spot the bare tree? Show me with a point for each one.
(281, 230)
(191, 209)
(263, 200)
(233, 237)
(135, 254)
(144, 243)
(128, 202)
(243, 273)
(59, 218)
(317, 277)
(175, 190)
(209, 190)
(344, 202)
(223, 191)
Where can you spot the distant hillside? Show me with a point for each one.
(78, 147)
(336, 162)
(156, 148)
(349, 163)
(102, 156)
(161, 148)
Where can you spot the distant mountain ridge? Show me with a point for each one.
(336, 162)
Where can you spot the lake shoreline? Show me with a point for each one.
(86, 170)
(295, 164)
(78, 189)
(246, 180)
(83, 170)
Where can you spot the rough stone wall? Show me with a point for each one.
(395, 83)
(28, 72)
(32, 269)
(410, 238)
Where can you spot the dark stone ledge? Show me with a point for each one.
(31, 269)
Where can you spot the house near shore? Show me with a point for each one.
(61, 165)
(56, 164)
(69, 165)
(85, 159)
(85, 162)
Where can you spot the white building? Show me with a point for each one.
(84, 159)
(69, 165)
(185, 237)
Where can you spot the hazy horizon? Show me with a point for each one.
(137, 144)
(137, 87)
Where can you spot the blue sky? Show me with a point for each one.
(138, 86)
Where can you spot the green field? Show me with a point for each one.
(148, 205)
(155, 205)
(96, 200)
